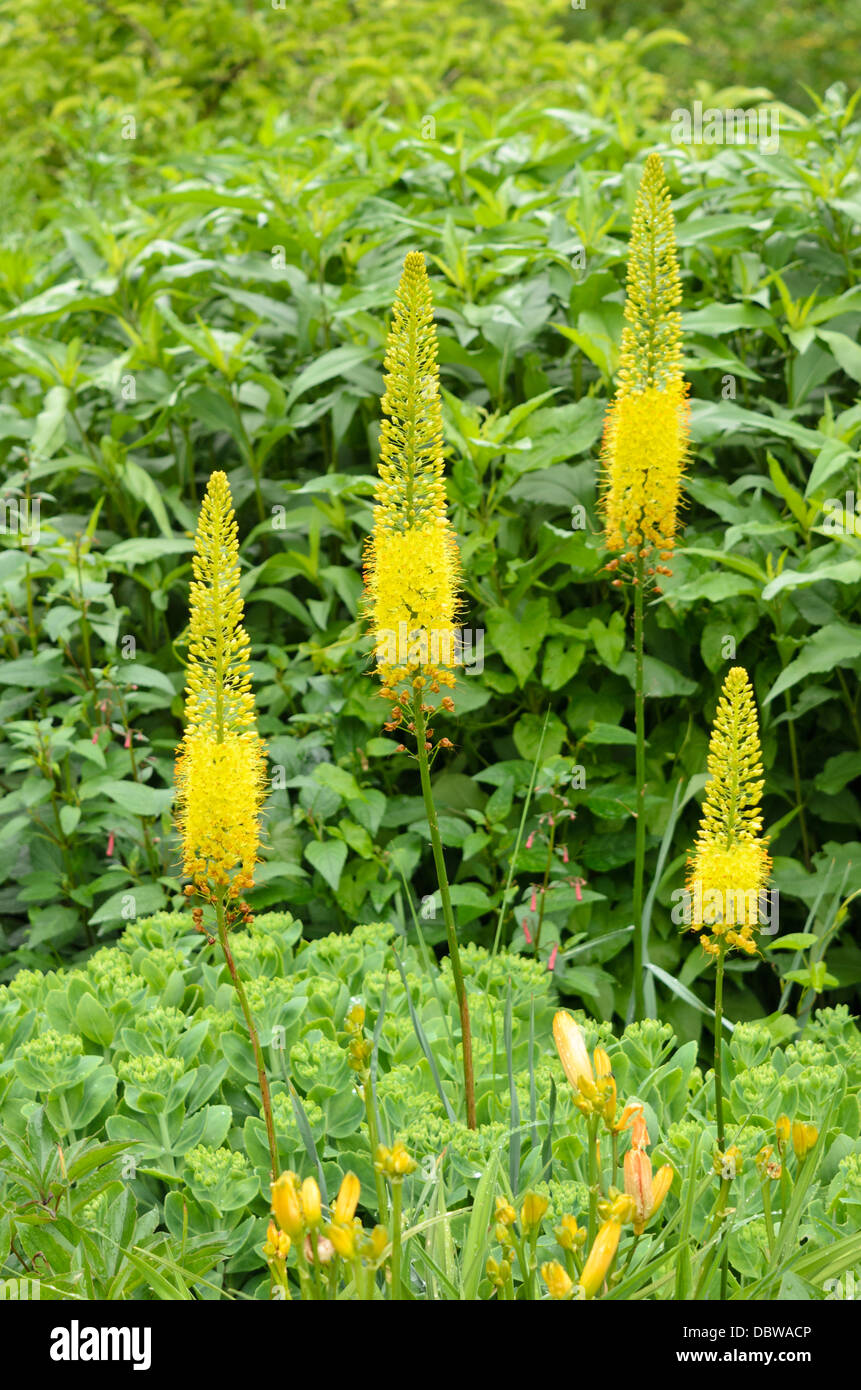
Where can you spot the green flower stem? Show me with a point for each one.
(640, 829)
(305, 1283)
(397, 1203)
(720, 1207)
(724, 1267)
(442, 878)
(545, 885)
(252, 1033)
(594, 1178)
(718, 1063)
(374, 1140)
(766, 1210)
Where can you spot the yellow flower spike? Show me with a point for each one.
(782, 1130)
(533, 1211)
(804, 1138)
(601, 1256)
(646, 430)
(572, 1051)
(287, 1206)
(347, 1199)
(559, 1283)
(311, 1203)
(729, 868)
(220, 763)
(412, 564)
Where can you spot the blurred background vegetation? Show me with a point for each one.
(211, 69)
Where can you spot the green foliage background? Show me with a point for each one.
(213, 293)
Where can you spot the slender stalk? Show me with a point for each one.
(594, 1179)
(545, 885)
(397, 1201)
(253, 1035)
(719, 1043)
(718, 1064)
(720, 1207)
(766, 1211)
(640, 840)
(374, 1140)
(448, 915)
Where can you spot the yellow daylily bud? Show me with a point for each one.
(379, 1241)
(311, 1203)
(344, 1240)
(622, 1207)
(533, 1211)
(572, 1052)
(601, 1256)
(603, 1067)
(661, 1184)
(286, 1205)
(347, 1200)
(559, 1283)
(568, 1234)
(505, 1212)
(803, 1139)
(782, 1129)
(395, 1162)
(728, 1164)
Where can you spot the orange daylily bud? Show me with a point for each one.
(638, 1185)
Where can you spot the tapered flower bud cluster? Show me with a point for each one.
(594, 1087)
(412, 564)
(220, 763)
(646, 429)
(728, 871)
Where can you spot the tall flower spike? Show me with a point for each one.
(729, 867)
(646, 428)
(220, 762)
(412, 564)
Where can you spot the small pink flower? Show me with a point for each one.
(550, 820)
(552, 961)
(526, 932)
(95, 737)
(564, 854)
(529, 841)
(128, 739)
(533, 902)
(577, 893)
(110, 849)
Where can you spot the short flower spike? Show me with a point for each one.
(729, 868)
